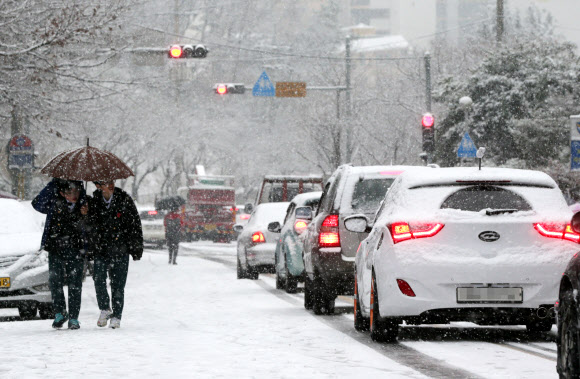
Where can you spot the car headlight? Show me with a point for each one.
(36, 260)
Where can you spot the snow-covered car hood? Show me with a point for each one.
(19, 243)
(20, 228)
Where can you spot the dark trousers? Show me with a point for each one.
(117, 267)
(66, 268)
(173, 247)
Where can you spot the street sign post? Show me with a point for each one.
(575, 143)
(290, 89)
(466, 147)
(20, 153)
(264, 86)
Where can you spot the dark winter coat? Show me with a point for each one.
(117, 229)
(172, 223)
(46, 202)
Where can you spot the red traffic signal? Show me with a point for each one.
(221, 89)
(175, 51)
(428, 120)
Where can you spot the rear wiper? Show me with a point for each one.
(495, 212)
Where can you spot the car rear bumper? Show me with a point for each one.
(435, 285)
(261, 255)
(335, 270)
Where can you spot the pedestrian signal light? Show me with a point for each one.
(428, 120)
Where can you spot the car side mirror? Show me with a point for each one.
(576, 222)
(274, 227)
(304, 213)
(238, 228)
(248, 208)
(357, 223)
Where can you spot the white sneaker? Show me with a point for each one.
(104, 317)
(115, 323)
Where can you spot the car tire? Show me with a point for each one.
(568, 362)
(27, 311)
(360, 323)
(322, 299)
(307, 292)
(45, 311)
(291, 283)
(382, 330)
(242, 274)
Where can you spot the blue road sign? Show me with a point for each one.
(575, 155)
(264, 86)
(466, 147)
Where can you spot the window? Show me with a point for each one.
(477, 198)
(368, 194)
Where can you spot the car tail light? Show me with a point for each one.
(402, 231)
(300, 226)
(245, 217)
(405, 288)
(329, 236)
(258, 237)
(560, 231)
(152, 213)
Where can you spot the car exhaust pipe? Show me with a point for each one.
(543, 312)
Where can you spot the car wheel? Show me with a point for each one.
(382, 330)
(241, 272)
(291, 284)
(307, 293)
(27, 311)
(322, 299)
(360, 323)
(568, 351)
(45, 311)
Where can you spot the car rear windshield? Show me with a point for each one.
(368, 194)
(477, 198)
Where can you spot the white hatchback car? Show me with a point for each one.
(462, 244)
(152, 226)
(23, 268)
(257, 244)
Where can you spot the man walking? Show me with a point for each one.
(172, 223)
(65, 205)
(118, 235)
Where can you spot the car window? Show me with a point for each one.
(368, 193)
(477, 198)
(289, 212)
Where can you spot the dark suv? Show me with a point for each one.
(330, 249)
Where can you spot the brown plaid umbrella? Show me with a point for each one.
(87, 164)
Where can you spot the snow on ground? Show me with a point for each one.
(191, 320)
(197, 320)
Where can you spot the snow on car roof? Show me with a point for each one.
(292, 177)
(423, 176)
(306, 197)
(266, 213)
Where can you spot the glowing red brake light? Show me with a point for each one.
(152, 213)
(560, 231)
(300, 226)
(331, 221)
(258, 237)
(402, 231)
(329, 236)
(245, 217)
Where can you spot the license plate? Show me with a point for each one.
(210, 227)
(4, 282)
(490, 295)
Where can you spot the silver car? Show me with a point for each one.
(256, 243)
(23, 268)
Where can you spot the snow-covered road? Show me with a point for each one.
(197, 320)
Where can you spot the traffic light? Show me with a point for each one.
(226, 88)
(428, 126)
(187, 51)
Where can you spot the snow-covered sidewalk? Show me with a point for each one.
(191, 320)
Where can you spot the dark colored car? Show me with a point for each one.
(568, 309)
(330, 249)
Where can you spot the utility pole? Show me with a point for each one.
(347, 61)
(499, 21)
(428, 81)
